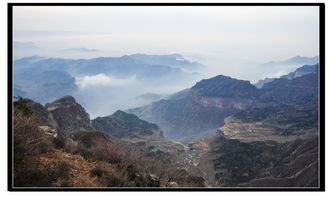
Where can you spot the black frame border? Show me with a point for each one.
(322, 154)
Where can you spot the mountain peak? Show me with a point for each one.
(70, 115)
(224, 86)
(120, 113)
(124, 125)
(65, 99)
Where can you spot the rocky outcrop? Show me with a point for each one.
(45, 118)
(49, 131)
(69, 115)
(63, 116)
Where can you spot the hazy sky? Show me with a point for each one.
(228, 40)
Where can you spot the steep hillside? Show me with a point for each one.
(90, 158)
(124, 125)
(290, 91)
(233, 163)
(304, 70)
(203, 108)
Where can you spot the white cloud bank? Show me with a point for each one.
(102, 80)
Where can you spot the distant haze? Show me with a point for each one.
(227, 40)
(198, 42)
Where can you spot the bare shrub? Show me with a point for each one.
(94, 145)
(28, 139)
(32, 178)
(61, 170)
(112, 180)
(59, 142)
(97, 172)
(43, 176)
(108, 152)
(70, 146)
(108, 179)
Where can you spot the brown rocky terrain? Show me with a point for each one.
(90, 158)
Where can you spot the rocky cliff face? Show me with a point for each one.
(45, 117)
(69, 115)
(64, 115)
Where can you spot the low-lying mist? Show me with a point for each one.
(102, 95)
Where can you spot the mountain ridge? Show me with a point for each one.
(210, 101)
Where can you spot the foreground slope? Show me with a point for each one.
(86, 158)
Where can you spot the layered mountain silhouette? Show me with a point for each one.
(205, 106)
(230, 133)
(297, 60)
(46, 79)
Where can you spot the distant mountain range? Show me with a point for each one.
(45, 79)
(84, 50)
(297, 60)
